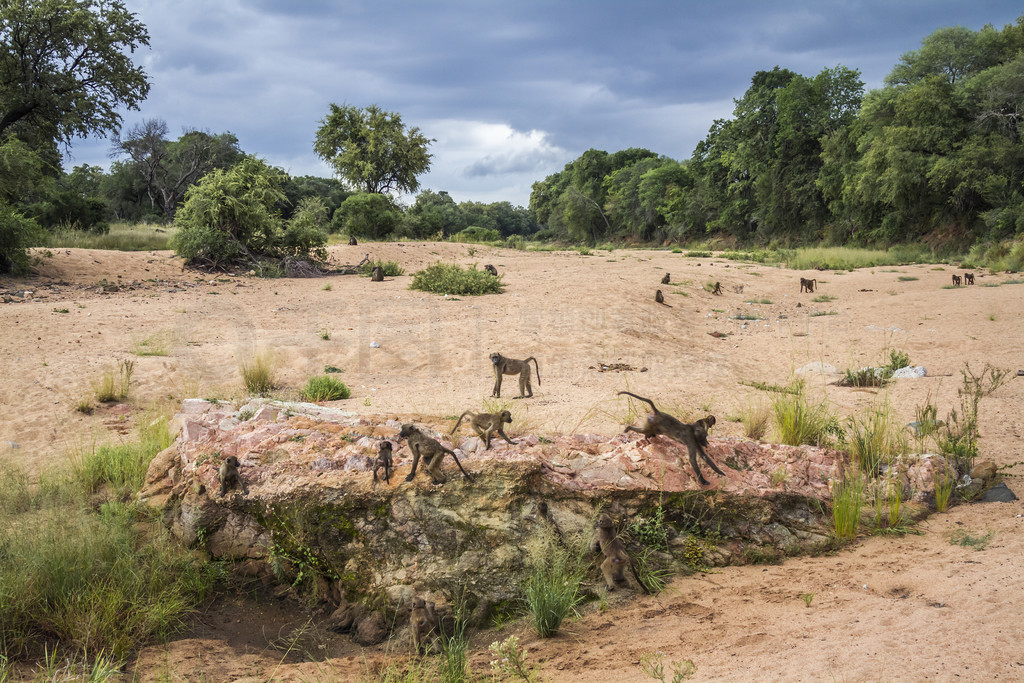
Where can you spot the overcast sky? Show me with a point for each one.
(511, 91)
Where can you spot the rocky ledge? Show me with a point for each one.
(313, 511)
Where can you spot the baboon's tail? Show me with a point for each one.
(468, 412)
(537, 367)
(647, 400)
(464, 472)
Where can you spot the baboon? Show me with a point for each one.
(957, 281)
(230, 476)
(615, 556)
(352, 241)
(809, 285)
(385, 460)
(377, 274)
(432, 452)
(485, 424)
(694, 435)
(665, 280)
(491, 269)
(511, 366)
(422, 623)
(969, 278)
(366, 259)
(718, 289)
(660, 298)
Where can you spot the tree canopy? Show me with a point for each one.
(372, 150)
(66, 68)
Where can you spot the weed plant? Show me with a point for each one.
(552, 589)
(258, 373)
(653, 665)
(847, 499)
(875, 437)
(797, 422)
(944, 481)
(325, 388)
(451, 279)
(509, 663)
(115, 385)
(966, 539)
(796, 386)
(651, 575)
(959, 437)
(158, 344)
(755, 418)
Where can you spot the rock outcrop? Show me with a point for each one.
(313, 509)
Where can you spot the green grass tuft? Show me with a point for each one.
(325, 388)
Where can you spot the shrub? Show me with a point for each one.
(17, 234)
(391, 268)
(475, 233)
(367, 215)
(325, 388)
(755, 419)
(875, 437)
(448, 278)
(229, 218)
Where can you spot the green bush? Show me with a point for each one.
(798, 423)
(475, 233)
(229, 219)
(367, 215)
(553, 587)
(448, 278)
(258, 374)
(391, 268)
(17, 234)
(325, 388)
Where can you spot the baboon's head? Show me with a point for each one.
(495, 358)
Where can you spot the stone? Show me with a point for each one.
(371, 629)
(910, 372)
(1000, 493)
(985, 470)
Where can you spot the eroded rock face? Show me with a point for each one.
(312, 503)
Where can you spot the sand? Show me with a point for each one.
(888, 608)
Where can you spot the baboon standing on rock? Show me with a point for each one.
(485, 424)
(693, 434)
(511, 366)
(433, 453)
(385, 460)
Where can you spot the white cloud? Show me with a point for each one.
(489, 162)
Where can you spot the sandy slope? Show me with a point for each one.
(930, 609)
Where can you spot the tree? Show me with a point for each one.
(20, 170)
(169, 168)
(371, 149)
(65, 66)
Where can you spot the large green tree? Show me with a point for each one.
(372, 150)
(65, 66)
(168, 168)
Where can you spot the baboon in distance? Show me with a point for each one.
(491, 269)
(718, 289)
(969, 278)
(511, 366)
(485, 424)
(660, 298)
(665, 280)
(432, 452)
(377, 274)
(422, 623)
(693, 434)
(615, 556)
(808, 285)
(230, 476)
(957, 281)
(352, 241)
(385, 460)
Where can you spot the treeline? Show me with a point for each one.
(935, 155)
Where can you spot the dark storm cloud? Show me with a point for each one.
(511, 91)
